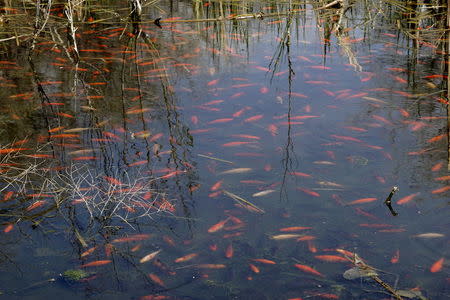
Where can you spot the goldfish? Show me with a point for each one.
(218, 226)
(308, 269)
(240, 112)
(150, 256)
(87, 252)
(362, 200)
(300, 174)
(436, 138)
(355, 128)
(216, 186)
(437, 265)
(112, 180)
(233, 144)
(212, 82)
(346, 138)
(308, 191)
(8, 228)
(264, 261)
(172, 174)
(186, 258)
(223, 120)
(441, 190)
(254, 118)
(396, 257)
(7, 196)
(156, 279)
(407, 199)
(211, 266)
(229, 251)
(132, 238)
(35, 205)
(254, 268)
(96, 263)
(306, 238)
(246, 136)
(294, 228)
(331, 258)
(9, 150)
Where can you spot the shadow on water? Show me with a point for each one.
(197, 150)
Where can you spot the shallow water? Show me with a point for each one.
(130, 151)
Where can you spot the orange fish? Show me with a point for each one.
(235, 220)
(132, 238)
(8, 228)
(172, 174)
(211, 266)
(264, 261)
(404, 112)
(155, 137)
(298, 95)
(87, 252)
(396, 257)
(65, 135)
(261, 68)
(407, 198)
(156, 279)
(9, 150)
(186, 258)
(35, 205)
(300, 174)
(218, 226)
(362, 200)
(437, 265)
(246, 136)
(240, 112)
(441, 190)
(311, 247)
(436, 138)
(96, 263)
(212, 82)
(308, 191)
(233, 144)
(254, 268)
(294, 228)
(346, 138)
(264, 90)
(306, 238)
(229, 251)
(254, 118)
(112, 180)
(223, 120)
(273, 129)
(331, 258)
(308, 269)
(7, 196)
(320, 67)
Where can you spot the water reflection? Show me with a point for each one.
(133, 139)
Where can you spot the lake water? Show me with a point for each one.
(255, 154)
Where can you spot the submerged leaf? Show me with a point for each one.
(411, 294)
(356, 272)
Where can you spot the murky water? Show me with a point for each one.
(251, 152)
